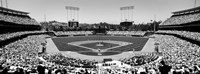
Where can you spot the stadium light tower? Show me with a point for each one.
(72, 16)
(72, 13)
(126, 16)
(195, 2)
(6, 3)
(1, 3)
(154, 24)
(126, 13)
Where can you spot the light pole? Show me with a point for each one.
(154, 23)
(157, 47)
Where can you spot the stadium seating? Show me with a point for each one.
(15, 34)
(73, 33)
(187, 34)
(127, 33)
(177, 51)
(140, 59)
(24, 54)
(182, 19)
(18, 20)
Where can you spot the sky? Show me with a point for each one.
(95, 11)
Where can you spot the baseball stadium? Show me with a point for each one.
(99, 37)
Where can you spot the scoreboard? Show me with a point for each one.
(73, 24)
(126, 24)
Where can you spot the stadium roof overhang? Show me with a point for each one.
(7, 10)
(178, 26)
(191, 10)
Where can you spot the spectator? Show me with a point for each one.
(164, 69)
(41, 68)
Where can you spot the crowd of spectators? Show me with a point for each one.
(67, 61)
(18, 19)
(15, 34)
(21, 57)
(187, 34)
(178, 57)
(125, 33)
(140, 59)
(129, 33)
(73, 33)
(22, 51)
(182, 19)
(183, 56)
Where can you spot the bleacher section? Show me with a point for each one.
(187, 34)
(140, 59)
(12, 35)
(73, 33)
(127, 33)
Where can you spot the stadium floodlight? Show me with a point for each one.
(72, 13)
(6, 4)
(1, 3)
(127, 13)
(72, 16)
(126, 7)
(195, 2)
